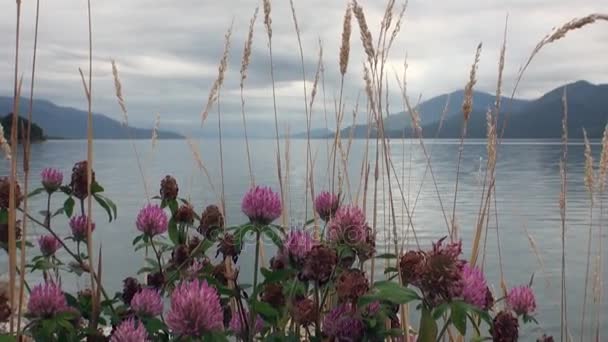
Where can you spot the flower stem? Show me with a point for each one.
(160, 266)
(444, 329)
(255, 284)
(318, 315)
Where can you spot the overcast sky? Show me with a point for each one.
(167, 52)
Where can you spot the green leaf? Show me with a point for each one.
(440, 310)
(173, 232)
(68, 206)
(35, 192)
(104, 205)
(3, 216)
(272, 235)
(96, 187)
(458, 316)
(428, 327)
(7, 338)
(386, 256)
(58, 212)
(136, 240)
(111, 204)
(390, 270)
(173, 206)
(276, 276)
(265, 309)
(395, 293)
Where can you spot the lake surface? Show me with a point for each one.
(528, 188)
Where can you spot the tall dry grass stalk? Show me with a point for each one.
(563, 171)
(343, 63)
(589, 185)
(123, 107)
(268, 24)
(417, 129)
(245, 61)
(196, 153)
(557, 34)
(467, 108)
(12, 210)
(89, 242)
(26, 170)
(219, 81)
(307, 112)
(602, 174)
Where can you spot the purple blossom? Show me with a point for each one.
(342, 325)
(238, 327)
(326, 205)
(78, 225)
(130, 330)
(46, 300)
(348, 226)
(51, 179)
(261, 205)
(521, 300)
(147, 302)
(152, 220)
(195, 309)
(298, 243)
(48, 245)
(473, 286)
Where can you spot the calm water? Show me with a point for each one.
(528, 188)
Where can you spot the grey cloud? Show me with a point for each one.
(168, 52)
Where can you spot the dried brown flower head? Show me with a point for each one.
(212, 222)
(411, 266)
(4, 233)
(185, 214)
(303, 311)
(505, 327)
(319, 264)
(5, 308)
(228, 248)
(129, 288)
(168, 188)
(351, 284)
(79, 180)
(5, 186)
(156, 280)
(273, 295)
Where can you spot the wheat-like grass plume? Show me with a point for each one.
(589, 180)
(603, 171)
(345, 45)
(467, 107)
(366, 35)
(121, 102)
(245, 61)
(217, 84)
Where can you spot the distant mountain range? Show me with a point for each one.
(71, 123)
(539, 118)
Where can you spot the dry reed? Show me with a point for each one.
(563, 171)
(244, 66)
(121, 102)
(217, 84)
(12, 210)
(26, 170)
(603, 172)
(589, 184)
(467, 107)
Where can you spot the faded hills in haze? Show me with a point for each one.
(540, 118)
(71, 123)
